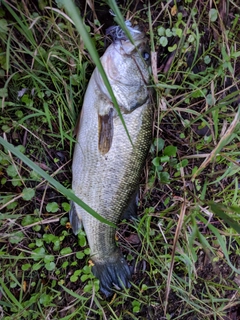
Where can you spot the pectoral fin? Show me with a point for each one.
(105, 132)
(77, 125)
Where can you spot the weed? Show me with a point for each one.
(185, 247)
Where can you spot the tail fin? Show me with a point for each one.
(74, 219)
(112, 273)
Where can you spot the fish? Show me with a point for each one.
(107, 165)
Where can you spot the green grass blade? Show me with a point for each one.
(119, 19)
(9, 294)
(73, 13)
(220, 241)
(67, 193)
(23, 26)
(219, 212)
(74, 294)
(151, 28)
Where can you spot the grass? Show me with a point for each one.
(185, 247)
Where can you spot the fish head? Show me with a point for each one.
(127, 67)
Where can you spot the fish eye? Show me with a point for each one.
(145, 55)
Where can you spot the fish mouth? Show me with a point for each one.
(118, 34)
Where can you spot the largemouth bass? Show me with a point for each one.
(106, 166)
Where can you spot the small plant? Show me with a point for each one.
(168, 156)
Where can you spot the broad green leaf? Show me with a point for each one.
(52, 207)
(156, 161)
(164, 177)
(191, 38)
(88, 288)
(87, 251)
(164, 159)
(37, 266)
(169, 33)
(207, 59)
(210, 100)
(65, 264)
(161, 31)
(65, 251)
(80, 255)
(12, 205)
(179, 32)
(38, 254)
(16, 237)
(82, 241)
(50, 238)
(170, 151)
(74, 278)
(84, 277)
(66, 206)
(3, 26)
(213, 15)
(50, 266)
(12, 171)
(26, 266)
(21, 148)
(159, 143)
(39, 242)
(28, 193)
(48, 258)
(45, 299)
(171, 49)
(163, 41)
(26, 220)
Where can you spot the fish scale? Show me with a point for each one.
(106, 171)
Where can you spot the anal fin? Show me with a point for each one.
(131, 212)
